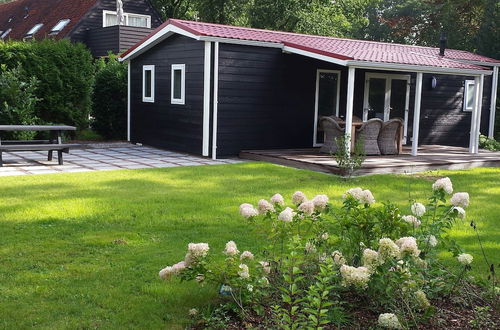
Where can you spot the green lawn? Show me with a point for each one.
(62, 264)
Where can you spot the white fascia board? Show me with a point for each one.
(481, 63)
(161, 35)
(416, 68)
(325, 58)
(241, 42)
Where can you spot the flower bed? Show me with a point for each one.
(323, 262)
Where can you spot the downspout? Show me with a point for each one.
(216, 100)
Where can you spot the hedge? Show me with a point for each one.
(65, 72)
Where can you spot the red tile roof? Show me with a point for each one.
(339, 48)
(48, 12)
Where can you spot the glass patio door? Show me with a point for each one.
(327, 99)
(386, 97)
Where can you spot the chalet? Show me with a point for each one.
(215, 90)
(93, 22)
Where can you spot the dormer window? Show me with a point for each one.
(59, 26)
(34, 30)
(5, 34)
(109, 18)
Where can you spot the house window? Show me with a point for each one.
(148, 83)
(5, 34)
(469, 92)
(59, 26)
(34, 30)
(178, 83)
(110, 19)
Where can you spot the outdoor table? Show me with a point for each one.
(55, 142)
(355, 124)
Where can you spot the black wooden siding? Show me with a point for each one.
(162, 124)
(94, 20)
(116, 39)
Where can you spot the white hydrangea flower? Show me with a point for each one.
(338, 258)
(244, 271)
(231, 249)
(200, 278)
(193, 312)
(408, 245)
(246, 255)
(461, 212)
(310, 248)
(320, 202)
(354, 193)
(412, 220)
(355, 276)
(264, 206)
(418, 209)
(362, 196)
(432, 241)
(388, 249)
(460, 199)
(196, 252)
(389, 320)
(250, 287)
(325, 236)
(367, 197)
(307, 207)
(421, 299)
(286, 215)
(248, 211)
(278, 199)
(370, 258)
(264, 281)
(265, 266)
(166, 273)
(465, 258)
(444, 184)
(298, 197)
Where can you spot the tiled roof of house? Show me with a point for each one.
(22, 15)
(340, 48)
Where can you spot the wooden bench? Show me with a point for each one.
(50, 148)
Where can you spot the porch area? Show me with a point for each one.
(430, 157)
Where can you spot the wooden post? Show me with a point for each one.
(349, 106)
(493, 104)
(416, 114)
(216, 100)
(479, 94)
(475, 110)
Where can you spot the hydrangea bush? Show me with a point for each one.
(320, 260)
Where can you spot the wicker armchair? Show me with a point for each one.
(388, 139)
(331, 130)
(369, 132)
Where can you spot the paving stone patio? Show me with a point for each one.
(101, 157)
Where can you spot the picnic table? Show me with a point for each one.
(55, 143)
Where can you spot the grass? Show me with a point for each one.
(83, 250)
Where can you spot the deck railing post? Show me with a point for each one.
(416, 114)
(349, 106)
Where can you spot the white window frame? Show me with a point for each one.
(34, 30)
(126, 16)
(468, 90)
(63, 23)
(316, 104)
(182, 99)
(150, 99)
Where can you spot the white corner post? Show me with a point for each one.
(128, 101)
(349, 106)
(493, 104)
(216, 100)
(476, 115)
(416, 114)
(206, 99)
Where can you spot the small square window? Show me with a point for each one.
(34, 29)
(59, 26)
(178, 82)
(5, 34)
(148, 83)
(469, 95)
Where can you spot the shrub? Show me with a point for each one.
(349, 162)
(17, 100)
(308, 277)
(109, 110)
(65, 73)
(489, 144)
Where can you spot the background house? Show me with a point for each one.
(216, 90)
(92, 22)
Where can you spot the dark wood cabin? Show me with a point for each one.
(92, 22)
(215, 90)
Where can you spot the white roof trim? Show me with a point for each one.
(242, 42)
(416, 68)
(325, 58)
(477, 62)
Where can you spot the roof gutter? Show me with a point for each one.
(416, 68)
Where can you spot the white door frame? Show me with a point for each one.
(387, 102)
(316, 103)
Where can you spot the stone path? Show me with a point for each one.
(101, 158)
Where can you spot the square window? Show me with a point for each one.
(469, 95)
(148, 83)
(178, 90)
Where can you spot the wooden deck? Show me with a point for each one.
(429, 158)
